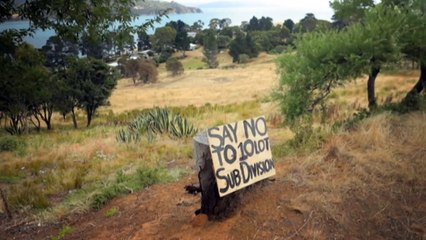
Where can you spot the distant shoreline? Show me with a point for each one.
(17, 18)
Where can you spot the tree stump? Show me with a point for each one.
(212, 204)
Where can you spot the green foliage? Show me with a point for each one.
(144, 177)
(112, 212)
(289, 24)
(69, 20)
(181, 40)
(325, 60)
(64, 231)
(262, 24)
(307, 24)
(157, 121)
(268, 40)
(210, 49)
(244, 58)
(24, 87)
(181, 128)
(11, 143)
(350, 12)
(223, 41)
(278, 49)
(163, 38)
(150, 176)
(88, 84)
(243, 44)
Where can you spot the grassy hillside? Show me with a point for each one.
(364, 180)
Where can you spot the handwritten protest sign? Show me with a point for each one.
(241, 154)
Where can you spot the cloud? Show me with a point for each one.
(307, 5)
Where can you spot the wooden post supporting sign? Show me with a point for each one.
(229, 158)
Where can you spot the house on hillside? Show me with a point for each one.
(192, 46)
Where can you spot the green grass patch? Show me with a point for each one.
(11, 143)
(10, 179)
(64, 231)
(142, 178)
(112, 212)
(193, 64)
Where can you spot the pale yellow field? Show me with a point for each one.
(198, 87)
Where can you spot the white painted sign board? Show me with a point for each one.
(241, 154)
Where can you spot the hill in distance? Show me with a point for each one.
(150, 7)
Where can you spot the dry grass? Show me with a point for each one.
(367, 181)
(57, 164)
(198, 87)
(393, 86)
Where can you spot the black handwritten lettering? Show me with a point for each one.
(217, 150)
(249, 125)
(246, 142)
(230, 154)
(261, 126)
(219, 176)
(249, 148)
(243, 174)
(218, 136)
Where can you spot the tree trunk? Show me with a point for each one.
(37, 124)
(74, 118)
(14, 125)
(89, 111)
(421, 84)
(409, 99)
(372, 103)
(212, 204)
(46, 115)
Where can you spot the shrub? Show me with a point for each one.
(131, 68)
(148, 72)
(278, 49)
(174, 66)
(244, 58)
(10, 143)
(28, 195)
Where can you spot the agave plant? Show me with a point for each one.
(181, 128)
(154, 122)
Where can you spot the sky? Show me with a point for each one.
(321, 7)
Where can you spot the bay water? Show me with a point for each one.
(237, 15)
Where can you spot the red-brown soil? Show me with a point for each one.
(266, 211)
